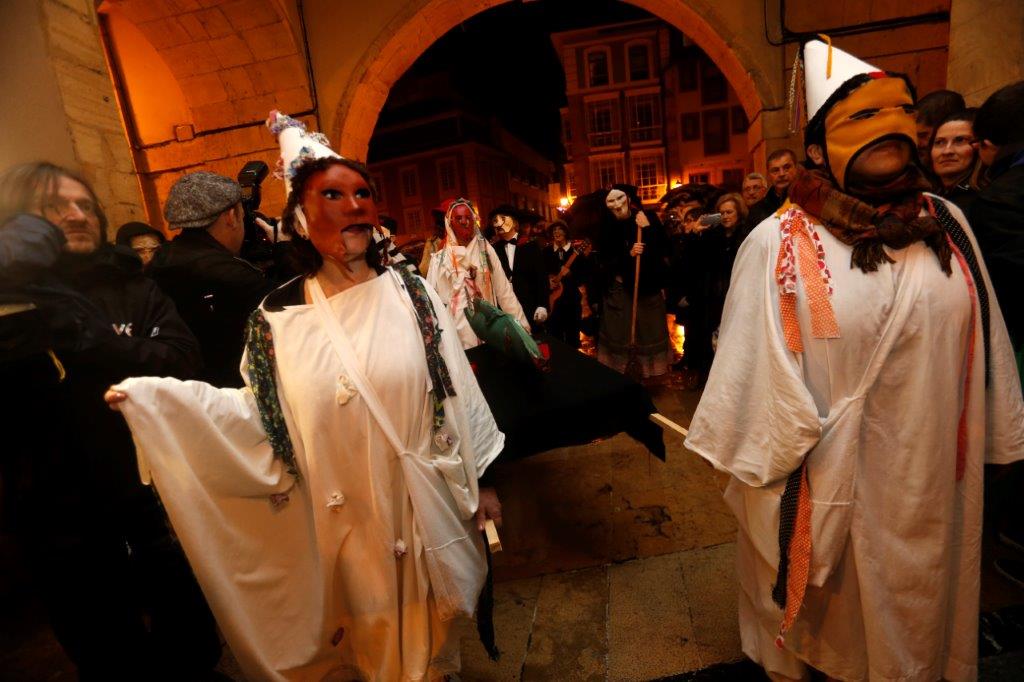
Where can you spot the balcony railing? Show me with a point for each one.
(650, 192)
(605, 139)
(645, 134)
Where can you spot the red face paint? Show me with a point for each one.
(340, 213)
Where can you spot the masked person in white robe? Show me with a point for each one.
(330, 508)
(466, 268)
(862, 380)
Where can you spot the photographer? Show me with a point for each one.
(214, 289)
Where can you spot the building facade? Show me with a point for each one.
(646, 107)
(425, 151)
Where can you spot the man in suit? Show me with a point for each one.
(522, 263)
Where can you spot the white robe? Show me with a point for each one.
(896, 540)
(284, 582)
(446, 281)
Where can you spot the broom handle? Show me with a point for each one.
(636, 290)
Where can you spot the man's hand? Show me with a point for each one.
(641, 220)
(540, 314)
(489, 508)
(114, 398)
(637, 249)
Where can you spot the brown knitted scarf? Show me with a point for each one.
(882, 216)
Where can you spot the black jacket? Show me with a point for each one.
(570, 297)
(529, 280)
(613, 261)
(215, 292)
(70, 461)
(997, 218)
(771, 203)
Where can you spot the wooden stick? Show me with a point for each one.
(15, 308)
(666, 423)
(493, 541)
(636, 290)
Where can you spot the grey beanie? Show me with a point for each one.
(198, 198)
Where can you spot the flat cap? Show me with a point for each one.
(198, 198)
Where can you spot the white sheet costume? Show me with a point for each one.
(459, 273)
(893, 587)
(358, 574)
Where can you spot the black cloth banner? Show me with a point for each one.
(577, 401)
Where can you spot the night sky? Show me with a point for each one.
(503, 61)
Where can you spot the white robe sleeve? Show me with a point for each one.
(209, 458)
(434, 275)
(756, 418)
(476, 422)
(503, 291)
(212, 436)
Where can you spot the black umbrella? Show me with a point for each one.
(586, 215)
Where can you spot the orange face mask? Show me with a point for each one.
(882, 107)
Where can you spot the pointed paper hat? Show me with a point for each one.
(826, 68)
(297, 147)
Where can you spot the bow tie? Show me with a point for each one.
(512, 241)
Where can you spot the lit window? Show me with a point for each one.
(410, 183)
(603, 123)
(446, 181)
(606, 172)
(639, 62)
(649, 177)
(644, 118)
(700, 178)
(570, 183)
(597, 68)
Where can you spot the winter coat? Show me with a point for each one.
(215, 292)
(70, 463)
(997, 218)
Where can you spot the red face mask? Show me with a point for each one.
(340, 213)
(462, 223)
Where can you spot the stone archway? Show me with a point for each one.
(752, 66)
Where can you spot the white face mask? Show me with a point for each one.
(618, 203)
(504, 224)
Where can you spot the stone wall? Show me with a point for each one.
(77, 108)
(986, 47)
(228, 63)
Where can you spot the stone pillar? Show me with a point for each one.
(59, 102)
(986, 47)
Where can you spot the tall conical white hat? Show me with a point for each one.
(297, 146)
(826, 68)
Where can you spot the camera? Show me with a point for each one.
(257, 248)
(710, 219)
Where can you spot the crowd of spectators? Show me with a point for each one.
(79, 313)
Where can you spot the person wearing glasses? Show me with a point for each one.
(75, 315)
